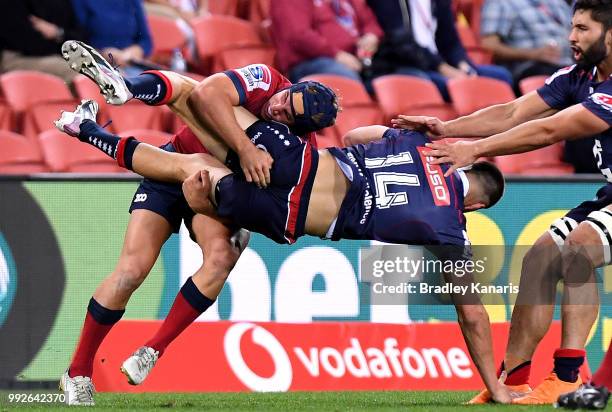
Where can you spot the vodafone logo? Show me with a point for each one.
(346, 361)
(280, 381)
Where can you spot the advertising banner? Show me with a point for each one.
(60, 238)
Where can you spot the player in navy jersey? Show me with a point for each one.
(575, 102)
(384, 190)
(159, 208)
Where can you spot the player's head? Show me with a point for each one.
(591, 35)
(305, 106)
(486, 186)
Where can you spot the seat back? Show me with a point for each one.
(529, 84)
(243, 56)
(474, 93)
(166, 36)
(24, 88)
(153, 137)
(20, 155)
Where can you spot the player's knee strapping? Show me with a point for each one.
(601, 222)
(561, 228)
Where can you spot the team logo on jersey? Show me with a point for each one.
(435, 178)
(603, 99)
(560, 72)
(256, 76)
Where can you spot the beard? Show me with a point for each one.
(594, 55)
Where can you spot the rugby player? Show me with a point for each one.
(158, 208)
(575, 102)
(382, 191)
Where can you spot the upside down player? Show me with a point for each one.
(329, 193)
(158, 208)
(576, 102)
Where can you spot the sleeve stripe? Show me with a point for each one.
(238, 85)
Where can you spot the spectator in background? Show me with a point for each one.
(31, 34)
(324, 36)
(528, 36)
(421, 40)
(118, 28)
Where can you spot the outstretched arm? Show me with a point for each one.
(363, 135)
(575, 122)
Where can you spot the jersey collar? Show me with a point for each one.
(464, 181)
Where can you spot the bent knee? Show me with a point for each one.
(129, 276)
(222, 257)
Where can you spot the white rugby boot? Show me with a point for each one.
(86, 60)
(70, 122)
(78, 390)
(138, 366)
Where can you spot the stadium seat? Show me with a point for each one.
(473, 93)
(135, 115)
(215, 33)
(529, 84)
(328, 137)
(7, 121)
(477, 54)
(20, 155)
(400, 94)
(152, 137)
(63, 153)
(358, 108)
(243, 56)
(224, 7)
(544, 161)
(259, 15)
(23, 91)
(167, 36)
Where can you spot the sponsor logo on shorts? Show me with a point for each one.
(140, 197)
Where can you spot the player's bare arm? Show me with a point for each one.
(483, 123)
(575, 122)
(363, 135)
(220, 117)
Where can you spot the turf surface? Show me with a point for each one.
(293, 402)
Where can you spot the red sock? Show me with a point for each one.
(98, 322)
(187, 306)
(603, 376)
(519, 375)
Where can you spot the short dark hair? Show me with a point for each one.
(491, 180)
(601, 10)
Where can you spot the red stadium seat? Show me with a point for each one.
(399, 94)
(243, 56)
(471, 43)
(529, 84)
(152, 137)
(7, 119)
(32, 96)
(66, 154)
(328, 137)
(167, 36)
(474, 93)
(259, 15)
(544, 161)
(217, 33)
(224, 7)
(20, 155)
(358, 108)
(135, 115)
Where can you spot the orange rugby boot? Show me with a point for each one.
(547, 392)
(485, 396)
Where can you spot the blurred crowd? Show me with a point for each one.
(514, 43)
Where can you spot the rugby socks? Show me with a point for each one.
(150, 87)
(518, 375)
(121, 149)
(98, 322)
(603, 376)
(567, 363)
(187, 306)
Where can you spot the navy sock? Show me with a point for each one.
(103, 315)
(568, 363)
(95, 135)
(149, 87)
(194, 297)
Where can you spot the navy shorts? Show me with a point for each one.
(279, 211)
(165, 199)
(603, 198)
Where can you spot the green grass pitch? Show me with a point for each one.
(292, 402)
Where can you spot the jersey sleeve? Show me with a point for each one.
(557, 91)
(256, 82)
(600, 102)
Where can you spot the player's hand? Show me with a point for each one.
(48, 30)
(256, 165)
(501, 394)
(458, 154)
(432, 126)
(349, 60)
(196, 189)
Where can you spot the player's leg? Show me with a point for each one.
(221, 248)
(145, 235)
